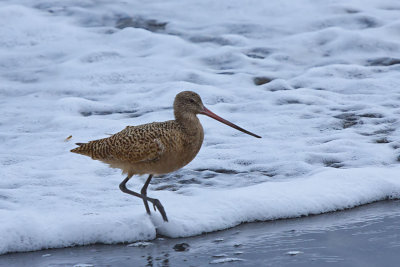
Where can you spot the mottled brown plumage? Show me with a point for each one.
(155, 148)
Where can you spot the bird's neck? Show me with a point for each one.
(189, 122)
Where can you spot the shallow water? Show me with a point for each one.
(365, 236)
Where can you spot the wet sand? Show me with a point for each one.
(363, 236)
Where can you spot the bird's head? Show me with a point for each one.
(188, 104)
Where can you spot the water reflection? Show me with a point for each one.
(162, 260)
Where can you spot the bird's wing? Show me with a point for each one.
(135, 144)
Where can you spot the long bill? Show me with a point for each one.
(207, 112)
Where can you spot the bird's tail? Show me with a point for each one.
(97, 149)
(83, 149)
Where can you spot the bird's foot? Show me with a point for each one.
(157, 205)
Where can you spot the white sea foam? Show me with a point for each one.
(328, 118)
(225, 260)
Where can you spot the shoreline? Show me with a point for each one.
(367, 235)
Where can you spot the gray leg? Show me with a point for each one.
(144, 193)
(155, 202)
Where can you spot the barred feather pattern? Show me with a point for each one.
(153, 148)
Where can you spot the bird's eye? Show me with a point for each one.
(191, 100)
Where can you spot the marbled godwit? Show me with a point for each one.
(155, 148)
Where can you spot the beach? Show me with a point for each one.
(364, 236)
(318, 81)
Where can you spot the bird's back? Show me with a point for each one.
(158, 147)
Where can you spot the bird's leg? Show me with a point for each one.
(155, 202)
(144, 193)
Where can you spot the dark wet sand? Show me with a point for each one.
(364, 236)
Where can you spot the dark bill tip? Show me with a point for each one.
(207, 112)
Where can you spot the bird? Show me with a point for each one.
(155, 148)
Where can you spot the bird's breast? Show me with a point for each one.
(181, 150)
